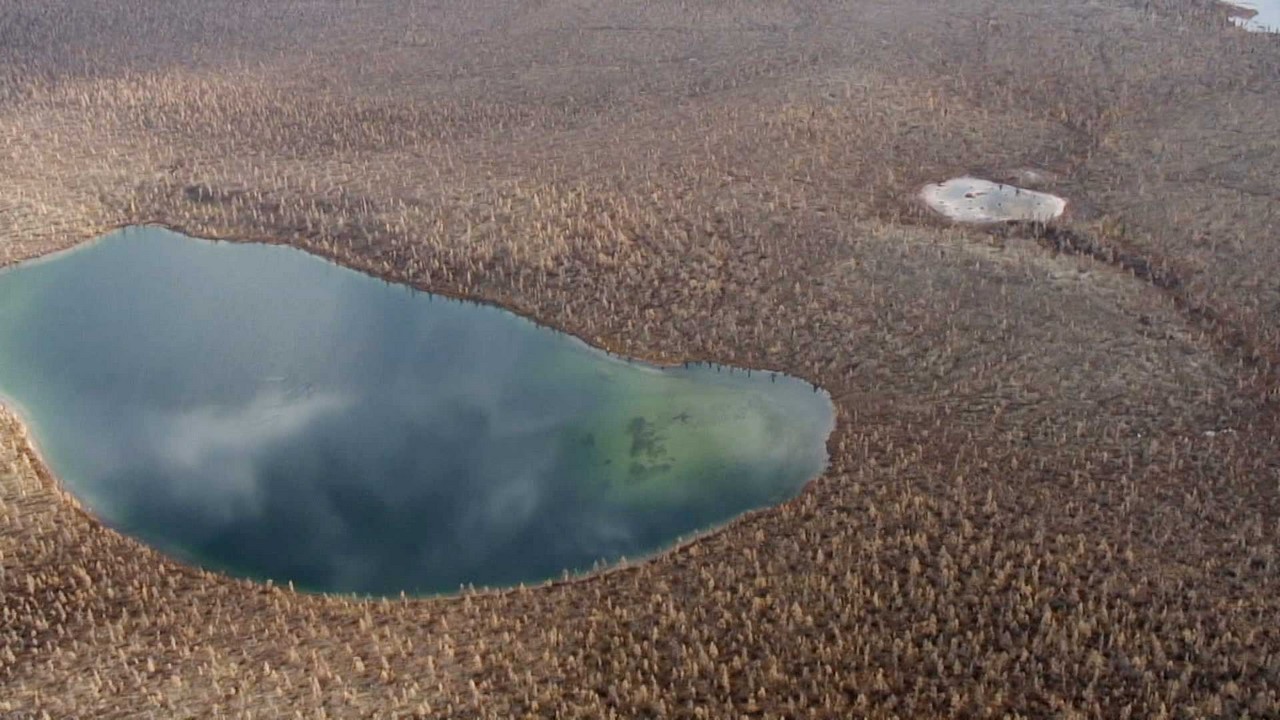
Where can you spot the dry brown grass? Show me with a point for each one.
(1055, 479)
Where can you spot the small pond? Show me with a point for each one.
(259, 411)
(973, 200)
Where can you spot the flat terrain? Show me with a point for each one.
(1054, 487)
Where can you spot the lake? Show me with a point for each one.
(259, 411)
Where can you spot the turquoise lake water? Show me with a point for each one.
(259, 411)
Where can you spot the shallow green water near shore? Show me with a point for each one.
(260, 411)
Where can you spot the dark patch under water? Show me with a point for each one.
(256, 410)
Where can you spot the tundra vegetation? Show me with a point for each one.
(1054, 486)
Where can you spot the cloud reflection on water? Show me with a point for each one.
(211, 453)
(256, 410)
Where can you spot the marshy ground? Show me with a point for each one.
(1055, 477)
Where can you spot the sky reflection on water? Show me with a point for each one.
(260, 411)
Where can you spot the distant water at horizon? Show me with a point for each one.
(1266, 19)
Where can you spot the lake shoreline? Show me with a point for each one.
(24, 420)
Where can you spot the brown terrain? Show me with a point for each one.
(1054, 487)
